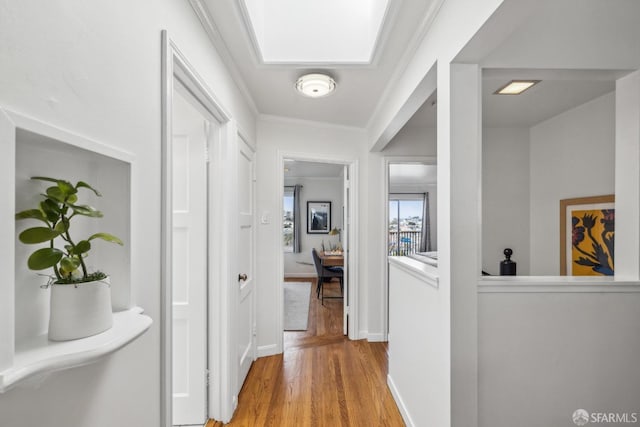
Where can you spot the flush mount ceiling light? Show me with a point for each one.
(515, 87)
(315, 85)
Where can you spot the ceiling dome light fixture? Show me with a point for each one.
(315, 85)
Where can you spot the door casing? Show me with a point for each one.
(386, 161)
(175, 67)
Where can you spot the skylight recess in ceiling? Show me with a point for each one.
(315, 31)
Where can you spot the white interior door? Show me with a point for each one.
(189, 165)
(245, 256)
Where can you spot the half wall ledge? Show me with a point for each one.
(37, 358)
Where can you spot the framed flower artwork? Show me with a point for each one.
(587, 232)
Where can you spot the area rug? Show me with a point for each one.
(296, 305)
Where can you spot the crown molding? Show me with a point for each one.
(256, 54)
(382, 38)
(270, 118)
(202, 12)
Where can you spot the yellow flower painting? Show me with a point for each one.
(587, 236)
(592, 237)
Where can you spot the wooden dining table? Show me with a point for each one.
(332, 259)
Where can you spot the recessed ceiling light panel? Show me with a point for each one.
(515, 87)
(315, 85)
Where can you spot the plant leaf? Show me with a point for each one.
(69, 264)
(108, 237)
(38, 235)
(82, 184)
(62, 226)
(44, 178)
(82, 247)
(66, 188)
(71, 199)
(56, 194)
(50, 209)
(86, 210)
(44, 258)
(31, 213)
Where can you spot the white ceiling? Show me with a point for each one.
(414, 174)
(565, 44)
(359, 86)
(558, 91)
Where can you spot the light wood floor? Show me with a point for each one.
(322, 379)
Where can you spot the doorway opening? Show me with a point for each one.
(318, 216)
(313, 228)
(412, 198)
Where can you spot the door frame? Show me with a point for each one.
(175, 67)
(390, 160)
(352, 270)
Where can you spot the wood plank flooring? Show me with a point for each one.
(322, 379)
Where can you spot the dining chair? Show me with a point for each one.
(326, 273)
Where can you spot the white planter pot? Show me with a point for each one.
(80, 310)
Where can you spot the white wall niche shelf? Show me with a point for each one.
(40, 357)
(33, 148)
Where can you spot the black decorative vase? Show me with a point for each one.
(508, 267)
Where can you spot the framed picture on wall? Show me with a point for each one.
(318, 217)
(587, 228)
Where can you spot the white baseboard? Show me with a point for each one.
(375, 338)
(399, 402)
(301, 275)
(267, 350)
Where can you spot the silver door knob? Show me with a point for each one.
(242, 277)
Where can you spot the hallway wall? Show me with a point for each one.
(295, 137)
(505, 197)
(94, 69)
(579, 140)
(549, 353)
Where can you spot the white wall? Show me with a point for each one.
(319, 190)
(572, 155)
(523, 182)
(627, 245)
(408, 142)
(412, 140)
(94, 69)
(454, 25)
(417, 347)
(276, 137)
(544, 355)
(505, 197)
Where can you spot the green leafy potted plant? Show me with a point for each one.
(80, 300)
